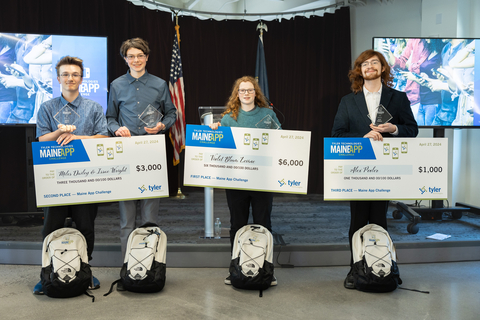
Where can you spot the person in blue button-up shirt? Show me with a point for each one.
(129, 95)
(90, 124)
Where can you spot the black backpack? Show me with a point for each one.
(65, 269)
(375, 268)
(144, 268)
(252, 258)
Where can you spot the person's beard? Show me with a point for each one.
(372, 76)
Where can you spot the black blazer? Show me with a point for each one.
(352, 118)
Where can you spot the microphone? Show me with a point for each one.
(269, 103)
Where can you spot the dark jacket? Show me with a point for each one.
(352, 118)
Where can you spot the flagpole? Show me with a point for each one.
(178, 98)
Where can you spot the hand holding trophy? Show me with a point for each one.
(383, 116)
(150, 116)
(66, 118)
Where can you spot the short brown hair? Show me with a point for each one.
(137, 43)
(67, 60)
(356, 77)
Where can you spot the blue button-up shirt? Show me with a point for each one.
(91, 121)
(129, 97)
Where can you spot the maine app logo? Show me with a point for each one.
(203, 136)
(57, 153)
(348, 149)
(207, 137)
(49, 152)
(67, 240)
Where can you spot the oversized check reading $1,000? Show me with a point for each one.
(392, 169)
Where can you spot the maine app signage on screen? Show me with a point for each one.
(441, 78)
(28, 76)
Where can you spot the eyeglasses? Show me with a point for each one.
(139, 57)
(242, 91)
(373, 63)
(68, 75)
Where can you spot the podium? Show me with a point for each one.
(209, 115)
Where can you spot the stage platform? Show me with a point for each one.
(308, 232)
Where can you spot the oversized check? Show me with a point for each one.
(247, 159)
(393, 169)
(100, 170)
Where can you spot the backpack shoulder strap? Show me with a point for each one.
(111, 287)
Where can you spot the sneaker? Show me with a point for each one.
(120, 286)
(349, 282)
(95, 284)
(38, 289)
(228, 281)
(274, 281)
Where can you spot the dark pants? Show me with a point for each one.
(83, 215)
(363, 213)
(239, 204)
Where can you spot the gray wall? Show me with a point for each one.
(429, 18)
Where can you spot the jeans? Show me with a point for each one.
(426, 114)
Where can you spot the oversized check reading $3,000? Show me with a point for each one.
(100, 170)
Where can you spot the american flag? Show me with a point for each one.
(177, 131)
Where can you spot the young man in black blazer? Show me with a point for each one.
(371, 85)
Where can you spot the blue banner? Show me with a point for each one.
(50, 152)
(348, 149)
(93, 52)
(203, 136)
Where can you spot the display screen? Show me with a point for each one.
(440, 77)
(28, 76)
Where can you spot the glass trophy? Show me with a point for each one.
(267, 123)
(209, 115)
(66, 116)
(150, 116)
(383, 116)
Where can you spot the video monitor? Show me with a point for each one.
(28, 76)
(440, 76)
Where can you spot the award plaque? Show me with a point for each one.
(383, 116)
(150, 116)
(267, 123)
(66, 116)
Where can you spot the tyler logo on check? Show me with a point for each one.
(267, 123)
(150, 116)
(67, 116)
(383, 116)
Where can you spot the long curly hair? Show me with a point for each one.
(233, 103)
(356, 77)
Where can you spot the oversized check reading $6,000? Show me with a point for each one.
(247, 159)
